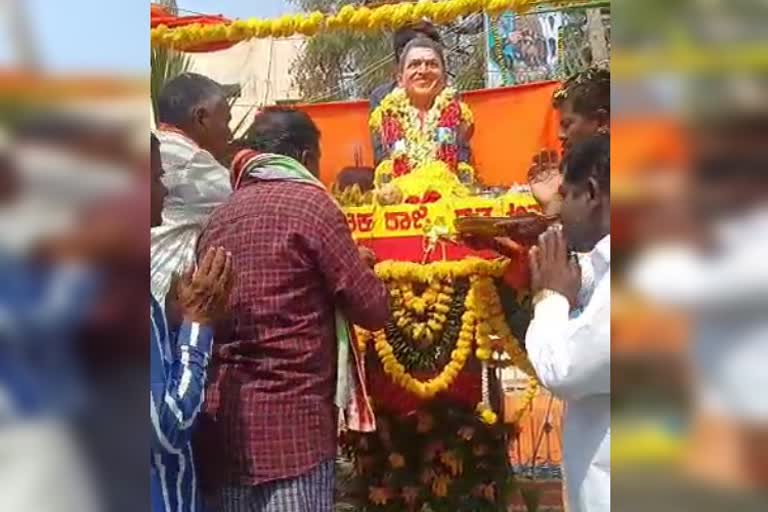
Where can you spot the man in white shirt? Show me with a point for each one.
(568, 339)
(194, 139)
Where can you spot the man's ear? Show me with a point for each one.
(594, 191)
(199, 115)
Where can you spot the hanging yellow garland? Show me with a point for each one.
(532, 389)
(482, 322)
(351, 18)
(415, 272)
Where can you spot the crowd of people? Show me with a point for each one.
(254, 270)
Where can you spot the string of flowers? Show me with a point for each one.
(349, 18)
(430, 320)
(413, 141)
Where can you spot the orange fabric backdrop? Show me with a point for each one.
(511, 125)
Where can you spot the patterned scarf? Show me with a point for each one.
(351, 395)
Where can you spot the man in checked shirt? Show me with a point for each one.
(268, 436)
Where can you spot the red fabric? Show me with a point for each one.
(388, 396)
(238, 166)
(517, 275)
(269, 407)
(412, 249)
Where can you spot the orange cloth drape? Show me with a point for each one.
(512, 124)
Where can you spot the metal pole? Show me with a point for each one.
(487, 43)
(21, 35)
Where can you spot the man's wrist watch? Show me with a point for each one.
(544, 294)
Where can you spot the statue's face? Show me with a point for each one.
(422, 74)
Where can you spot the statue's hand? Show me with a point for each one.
(465, 132)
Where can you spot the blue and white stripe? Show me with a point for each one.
(178, 375)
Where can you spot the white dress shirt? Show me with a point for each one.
(727, 293)
(197, 184)
(572, 358)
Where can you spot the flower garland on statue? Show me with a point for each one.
(430, 321)
(415, 142)
(349, 17)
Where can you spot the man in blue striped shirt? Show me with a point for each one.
(178, 367)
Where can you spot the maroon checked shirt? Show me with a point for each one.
(269, 410)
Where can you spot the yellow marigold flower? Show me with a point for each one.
(483, 354)
(304, 27)
(240, 27)
(346, 13)
(219, 32)
(464, 344)
(466, 114)
(403, 15)
(156, 37)
(360, 18)
(488, 417)
(334, 22)
(316, 17)
(422, 9)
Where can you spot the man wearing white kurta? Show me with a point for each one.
(194, 137)
(568, 340)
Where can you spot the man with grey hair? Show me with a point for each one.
(193, 130)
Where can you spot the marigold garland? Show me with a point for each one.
(415, 272)
(482, 322)
(426, 184)
(350, 18)
(414, 141)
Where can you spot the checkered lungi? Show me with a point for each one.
(311, 492)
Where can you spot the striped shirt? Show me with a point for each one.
(178, 371)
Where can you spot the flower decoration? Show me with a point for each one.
(349, 18)
(414, 141)
(456, 312)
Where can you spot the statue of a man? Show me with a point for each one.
(422, 121)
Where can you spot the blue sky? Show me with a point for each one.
(111, 36)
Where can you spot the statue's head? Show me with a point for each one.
(421, 71)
